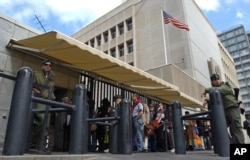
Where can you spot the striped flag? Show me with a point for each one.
(175, 22)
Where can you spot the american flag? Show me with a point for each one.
(175, 22)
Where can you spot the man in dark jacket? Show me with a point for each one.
(231, 107)
(43, 88)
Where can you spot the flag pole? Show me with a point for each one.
(164, 38)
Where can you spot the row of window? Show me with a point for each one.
(243, 75)
(239, 52)
(241, 66)
(245, 97)
(237, 46)
(247, 106)
(234, 40)
(111, 33)
(121, 49)
(242, 58)
(244, 89)
(231, 34)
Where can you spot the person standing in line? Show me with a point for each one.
(231, 108)
(92, 142)
(152, 138)
(190, 133)
(160, 134)
(207, 135)
(169, 129)
(117, 99)
(137, 123)
(145, 118)
(66, 124)
(102, 111)
(43, 88)
(200, 133)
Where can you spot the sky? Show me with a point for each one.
(68, 17)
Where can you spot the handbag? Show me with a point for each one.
(198, 140)
(148, 130)
(155, 123)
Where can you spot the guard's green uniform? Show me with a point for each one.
(232, 111)
(41, 79)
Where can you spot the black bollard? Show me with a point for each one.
(125, 129)
(113, 148)
(179, 140)
(16, 133)
(219, 124)
(79, 125)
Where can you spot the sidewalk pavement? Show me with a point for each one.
(190, 155)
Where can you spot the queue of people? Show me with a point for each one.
(143, 114)
(197, 136)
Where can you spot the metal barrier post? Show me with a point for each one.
(125, 129)
(79, 124)
(16, 133)
(179, 140)
(219, 124)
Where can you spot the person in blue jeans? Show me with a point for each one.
(137, 123)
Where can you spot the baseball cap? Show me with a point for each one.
(47, 60)
(214, 77)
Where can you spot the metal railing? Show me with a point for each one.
(218, 126)
(20, 117)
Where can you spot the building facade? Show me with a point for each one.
(135, 33)
(236, 41)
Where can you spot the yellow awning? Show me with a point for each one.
(73, 52)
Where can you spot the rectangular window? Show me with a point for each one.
(130, 46)
(99, 40)
(112, 52)
(129, 24)
(106, 36)
(113, 32)
(237, 67)
(92, 43)
(121, 50)
(121, 28)
(241, 38)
